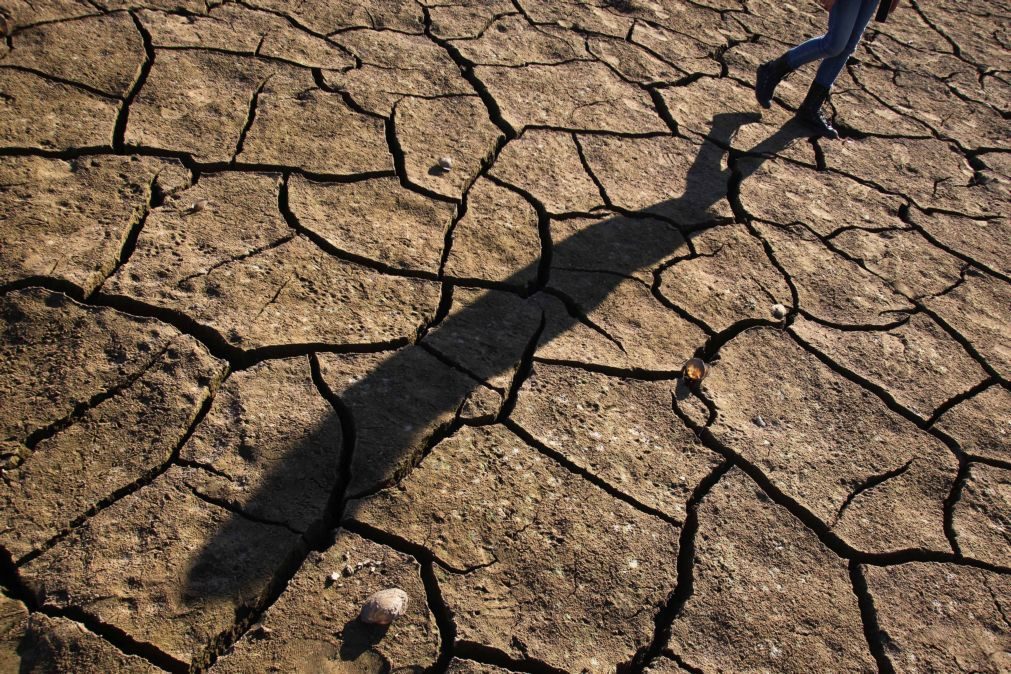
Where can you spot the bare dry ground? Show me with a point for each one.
(262, 356)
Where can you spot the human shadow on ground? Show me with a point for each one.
(391, 406)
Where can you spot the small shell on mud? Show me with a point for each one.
(384, 607)
(446, 163)
(260, 630)
(779, 311)
(195, 207)
(695, 369)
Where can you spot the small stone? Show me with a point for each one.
(446, 163)
(384, 607)
(695, 369)
(779, 311)
(334, 577)
(759, 421)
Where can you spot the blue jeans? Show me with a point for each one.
(846, 24)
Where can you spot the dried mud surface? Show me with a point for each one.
(304, 301)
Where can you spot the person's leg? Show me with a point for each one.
(810, 110)
(841, 21)
(830, 68)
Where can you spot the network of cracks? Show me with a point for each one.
(305, 300)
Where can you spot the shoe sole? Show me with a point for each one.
(816, 132)
(765, 104)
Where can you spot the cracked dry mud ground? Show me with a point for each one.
(261, 357)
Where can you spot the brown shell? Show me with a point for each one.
(695, 369)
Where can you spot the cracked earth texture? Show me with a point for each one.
(262, 354)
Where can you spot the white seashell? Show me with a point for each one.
(384, 607)
(260, 630)
(445, 163)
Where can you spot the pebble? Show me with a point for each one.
(759, 421)
(445, 163)
(779, 311)
(384, 607)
